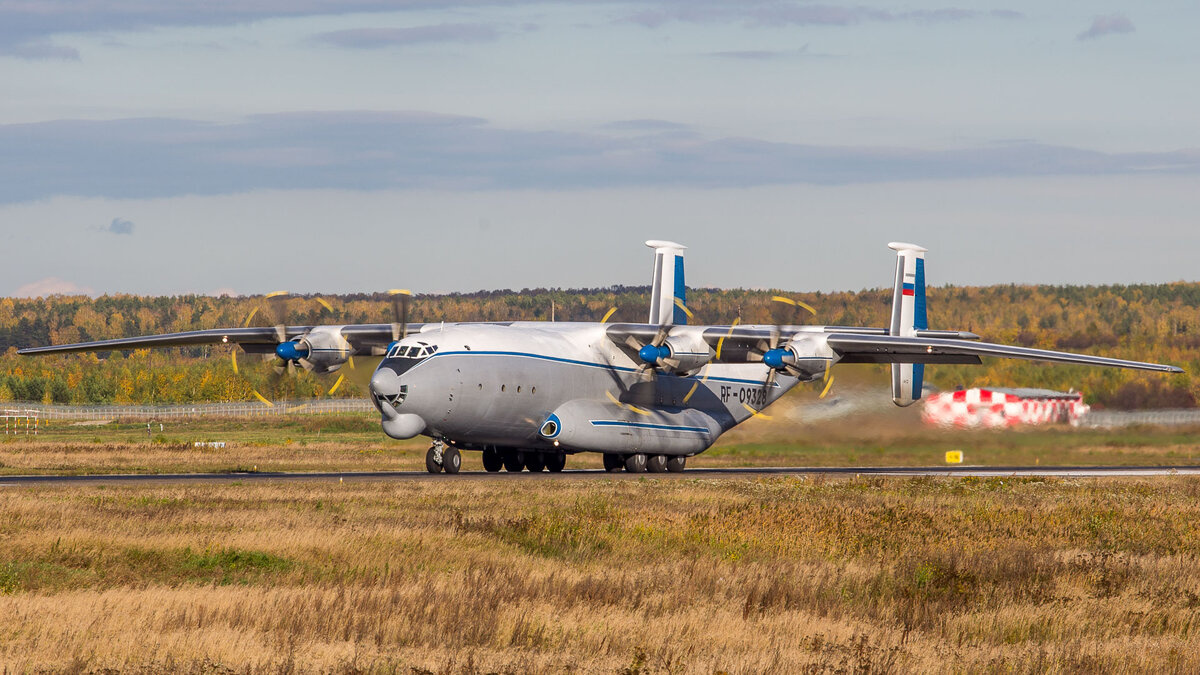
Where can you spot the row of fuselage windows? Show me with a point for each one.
(504, 388)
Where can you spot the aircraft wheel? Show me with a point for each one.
(656, 463)
(613, 462)
(514, 460)
(451, 460)
(635, 463)
(431, 464)
(556, 461)
(493, 461)
(676, 464)
(535, 461)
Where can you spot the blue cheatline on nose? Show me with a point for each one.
(291, 351)
(774, 358)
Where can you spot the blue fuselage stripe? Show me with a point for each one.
(589, 364)
(647, 425)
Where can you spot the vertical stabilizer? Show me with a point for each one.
(908, 316)
(668, 295)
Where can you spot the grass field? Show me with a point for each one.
(595, 575)
(877, 437)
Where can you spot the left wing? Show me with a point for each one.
(362, 338)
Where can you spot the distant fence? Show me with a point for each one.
(161, 412)
(1107, 419)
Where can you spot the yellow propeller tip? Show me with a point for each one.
(399, 291)
(276, 294)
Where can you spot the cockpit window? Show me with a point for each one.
(414, 352)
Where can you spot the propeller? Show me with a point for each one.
(652, 354)
(400, 299)
(287, 354)
(782, 360)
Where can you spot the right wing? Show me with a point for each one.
(898, 349)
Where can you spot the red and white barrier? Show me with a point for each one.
(991, 409)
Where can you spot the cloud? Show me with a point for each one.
(376, 38)
(36, 50)
(51, 286)
(147, 158)
(782, 13)
(651, 125)
(119, 226)
(768, 54)
(1107, 25)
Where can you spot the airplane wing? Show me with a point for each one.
(255, 339)
(898, 349)
(740, 344)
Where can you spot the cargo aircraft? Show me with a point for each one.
(646, 395)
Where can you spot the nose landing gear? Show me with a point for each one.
(440, 458)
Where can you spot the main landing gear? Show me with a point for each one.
(441, 458)
(512, 460)
(640, 463)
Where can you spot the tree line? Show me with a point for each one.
(1156, 322)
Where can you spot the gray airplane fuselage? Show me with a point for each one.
(562, 386)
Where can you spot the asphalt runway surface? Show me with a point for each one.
(591, 474)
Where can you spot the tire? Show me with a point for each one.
(635, 463)
(535, 461)
(656, 463)
(492, 461)
(514, 460)
(451, 460)
(613, 462)
(676, 464)
(556, 461)
(431, 464)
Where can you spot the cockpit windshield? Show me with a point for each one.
(418, 351)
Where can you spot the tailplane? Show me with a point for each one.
(908, 317)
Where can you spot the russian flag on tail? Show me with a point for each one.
(908, 316)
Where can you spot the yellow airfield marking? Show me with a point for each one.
(828, 386)
(261, 398)
(721, 341)
(755, 412)
(695, 386)
(680, 305)
(337, 384)
(608, 315)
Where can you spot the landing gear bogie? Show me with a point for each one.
(613, 462)
(535, 461)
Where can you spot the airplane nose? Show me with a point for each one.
(385, 382)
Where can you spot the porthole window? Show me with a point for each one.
(501, 387)
(518, 388)
(480, 386)
(533, 390)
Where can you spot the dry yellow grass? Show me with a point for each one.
(593, 575)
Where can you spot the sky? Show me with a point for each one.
(333, 146)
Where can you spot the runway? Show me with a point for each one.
(595, 474)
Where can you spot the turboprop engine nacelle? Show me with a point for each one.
(806, 357)
(321, 350)
(680, 353)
